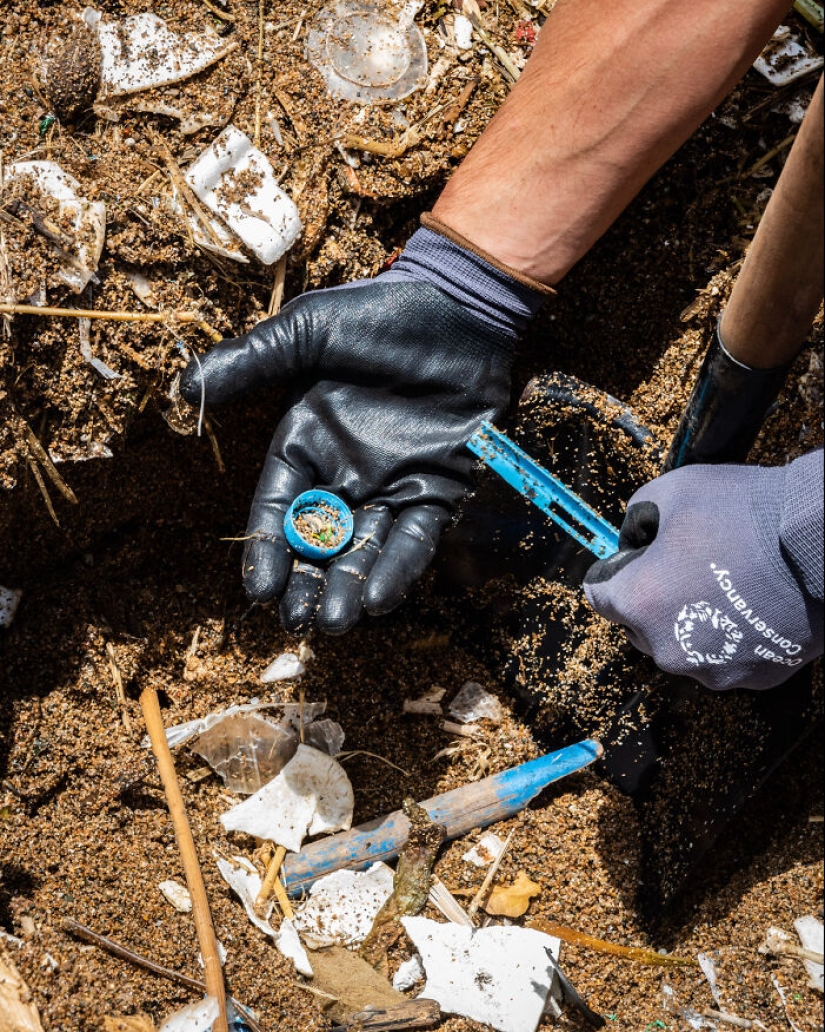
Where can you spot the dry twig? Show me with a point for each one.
(480, 897)
(120, 694)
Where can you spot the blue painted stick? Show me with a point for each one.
(471, 806)
(540, 487)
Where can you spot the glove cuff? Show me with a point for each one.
(801, 525)
(429, 221)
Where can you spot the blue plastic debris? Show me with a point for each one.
(334, 524)
(544, 490)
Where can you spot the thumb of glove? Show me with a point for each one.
(638, 532)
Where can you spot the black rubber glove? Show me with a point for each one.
(392, 378)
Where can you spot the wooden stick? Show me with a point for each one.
(38, 476)
(120, 694)
(272, 882)
(481, 896)
(213, 972)
(45, 460)
(277, 298)
(114, 316)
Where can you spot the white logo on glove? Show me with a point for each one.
(702, 613)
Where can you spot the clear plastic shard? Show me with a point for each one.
(475, 703)
(237, 183)
(246, 750)
(368, 52)
(342, 906)
(140, 52)
(312, 794)
(86, 219)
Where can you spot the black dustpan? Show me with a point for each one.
(689, 758)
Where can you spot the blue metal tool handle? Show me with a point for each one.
(544, 490)
(472, 806)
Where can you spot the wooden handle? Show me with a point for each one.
(213, 972)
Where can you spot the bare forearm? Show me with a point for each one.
(611, 91)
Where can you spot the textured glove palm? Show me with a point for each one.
(391, 379)
(718, 576)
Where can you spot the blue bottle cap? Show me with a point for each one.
(318, 525)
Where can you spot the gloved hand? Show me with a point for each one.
(718, 576)
(392, 376)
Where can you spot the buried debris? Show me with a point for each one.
(17, 1011)
(414, 1014)
(9, 601)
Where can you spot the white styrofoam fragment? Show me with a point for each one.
(811, 934)
(9, 601)
(709, 971)
(488, 848)
(87, 218)
(785, 59)
(496, 975)
(222, 954)
(312, 794)
(196, 1017)
(245, 882)
(408, 973)
(342, 906)
(463, 32)
(177, 895)
(283, 668)
(475, 703)
(264, 218)
(141, 53)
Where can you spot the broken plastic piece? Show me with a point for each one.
(488, 848)
(140, 52)
(237, 183)
(196, 1017)
(246, 751)
(178, 896)
(9, 601)
(245, 882)
(285, 667)
(342, 906)
(498, 976)
(408, 973)
(87, 218)
(325, 735)
(785, 59)
(812, 936)
(312, 794)
(368, 52)
(475, 703)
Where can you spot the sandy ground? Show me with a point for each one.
(145, 561)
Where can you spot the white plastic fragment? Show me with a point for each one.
(446, 903)
(222, 954)
(9, 601)
(245, 882)
(177, 895)
(140, 52)
(785, 59)
(87, 219)
(342, 906)
(812, 936)
(196, 1017)
(283, 668)
(262, 216)
(475, 703)
(463, 32)
(500, 976)
(312, 794)
(709, 971)
(408, 973)
(488, 848)
(84, 327)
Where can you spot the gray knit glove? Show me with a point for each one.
(718, 576)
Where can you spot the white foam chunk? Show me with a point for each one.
(283, 668)
(342, 906)
(87, 219)
(408, 973)
(463, 32)
(196, 1017)
(811, 934)
(241, 876)
(262, 216)
(311, 795)
(9, 601)
(177, 895)
(500, 976)
(488, 848)
(140, 53)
